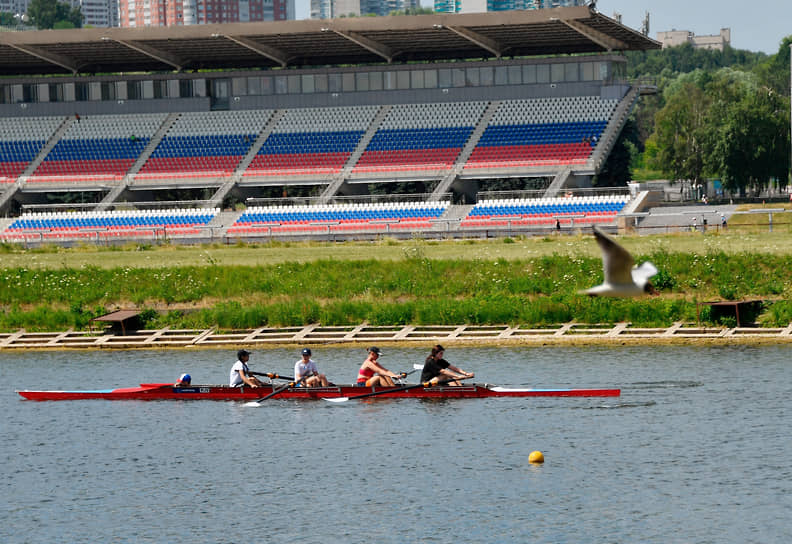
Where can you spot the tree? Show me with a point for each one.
(616, 170)
(413, 11)
(7, 19)
(775, 71)
(681, 134)
(752, 150)
(47, 14)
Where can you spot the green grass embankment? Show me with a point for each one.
(530, 282)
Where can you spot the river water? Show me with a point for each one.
(696, 450)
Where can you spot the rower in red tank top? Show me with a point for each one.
(372, 373)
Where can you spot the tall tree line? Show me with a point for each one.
(49, 14)
(717, 114)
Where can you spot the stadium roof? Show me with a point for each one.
(316, 42)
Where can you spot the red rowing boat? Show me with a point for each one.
(167, 391)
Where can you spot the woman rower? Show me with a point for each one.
(437, 369)
(372, 373)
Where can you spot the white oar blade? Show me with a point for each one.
(252, 403)
(418, 367)
(337, 400)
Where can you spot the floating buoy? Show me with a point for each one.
(536, 457)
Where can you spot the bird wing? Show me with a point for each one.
(642, 274)
(617, 262)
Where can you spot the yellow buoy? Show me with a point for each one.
(536, 457)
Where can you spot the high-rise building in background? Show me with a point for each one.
(331, 9)
(98, 13)
(143, 13)
(479, 6)
(16, 7)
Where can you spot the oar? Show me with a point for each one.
(258, 402)
(403, 375)
(428, 384)
(271, 375)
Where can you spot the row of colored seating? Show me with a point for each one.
(411, 137)
(377, 216)
(88, 223)
(585, 208)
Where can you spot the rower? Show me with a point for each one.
(306, 374)
(438, 369)
(183, 381)
(372, 373)
(240, 373)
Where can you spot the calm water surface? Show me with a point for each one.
(696, 450)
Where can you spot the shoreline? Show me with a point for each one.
(569, 334)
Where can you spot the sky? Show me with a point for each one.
(758, 27)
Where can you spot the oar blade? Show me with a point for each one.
(252, 403)
(336, 400)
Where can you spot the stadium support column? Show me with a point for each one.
(790, 114)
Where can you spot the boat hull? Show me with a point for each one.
(218, 392)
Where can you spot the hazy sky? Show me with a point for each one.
(759, 25)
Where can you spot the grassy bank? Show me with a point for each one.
(529, 282)
(732, 242)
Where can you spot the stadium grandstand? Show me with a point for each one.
(350, 127)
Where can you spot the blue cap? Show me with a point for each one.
(185, 378)
(306, 351)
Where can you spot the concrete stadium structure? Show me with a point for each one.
(332, 107)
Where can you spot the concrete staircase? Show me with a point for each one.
(64, 126)
(445, 184)
(558, 183)
(217, 199)
(338, 179)
(11, 190)
(113, 195)
(8, 194)
(614, 128)
(153, 143)
(119, 189)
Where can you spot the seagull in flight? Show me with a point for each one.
(621, 279)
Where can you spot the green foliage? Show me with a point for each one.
(413, 11)
(728, 321)
(616, 170)
(709, 118)
(723, 124)
(48, 14)
(681, 133)
(685, 58)
(415, 289)
(751, 148)
(7, 19)
(774, 71)
(777, 314)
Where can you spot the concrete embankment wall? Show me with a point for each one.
(264, 337)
